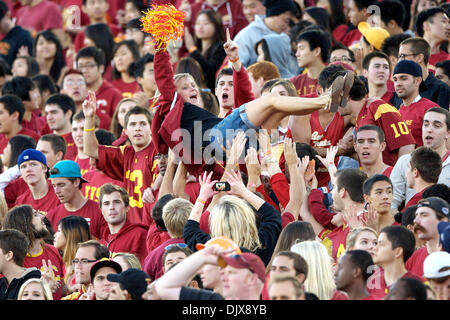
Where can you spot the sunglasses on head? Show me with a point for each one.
(179, 245)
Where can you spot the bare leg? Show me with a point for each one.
(268, 111)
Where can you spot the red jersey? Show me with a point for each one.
(96, 179)
(305, 85)
(48, 252)
(35, 18)
(137, 170)
(413, 116)
(130, 238)
(388, 118)
(24, 131)
(126, 89)
(44, 204)
(84, 165)
(415, 263)
(334, 240)
(72, 150)
(324, 138)
(376, 284)
(90, 211)
(351, 38)
(108, 97)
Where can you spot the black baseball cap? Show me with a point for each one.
(133, 280)
(104, 262)
(435, 203)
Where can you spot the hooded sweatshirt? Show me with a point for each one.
(11, 291)
(130, 238)
(248, 37)
(281, 54)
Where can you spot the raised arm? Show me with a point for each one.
(90, 142)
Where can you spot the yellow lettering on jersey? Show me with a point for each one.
(340, 251)
(384, 108)
(136, 176)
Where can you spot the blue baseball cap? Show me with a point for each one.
(31, 154)
(66, 169)
(444, 235)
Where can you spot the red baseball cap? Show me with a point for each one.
(248, 261)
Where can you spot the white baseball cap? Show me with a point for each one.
(437, 265)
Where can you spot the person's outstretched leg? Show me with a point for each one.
(268, 111)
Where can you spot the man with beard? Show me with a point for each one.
(429, 213)
(40, 255)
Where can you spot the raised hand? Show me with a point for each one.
(90, 105)
(234, 150)
(49, 276)
(252, 163)
(188, 39)
(206, 186)
(236, 183)
(290, 153)
(231, 48)
(89, 294)
(351, 217)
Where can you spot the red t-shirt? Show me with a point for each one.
(48, 252)
(376, 284)
(90, 211)
(435, 58)
(36, 18)
(14, 189)
(44, 204)
(84, 165)
(108, 97)
(388, 118)
(137, 170)
(387, 172)
(37, 124)
(24, 131)
(305, 85)
(413, 117)
(96, 179)
(155, 237)
(72, 150)
(130, 238)
(126, 89)
(415, 263)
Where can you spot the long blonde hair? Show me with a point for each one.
(232, 217)
(45, 288)
(320, 274)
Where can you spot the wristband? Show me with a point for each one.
(251, 185)
(233, 61)
(202, 201)
(192, 49)
(89, 130)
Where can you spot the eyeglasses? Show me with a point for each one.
(341, 59)
(179, 245)
(87, 66)
(71, 83)
(404, 55)
(82, 261)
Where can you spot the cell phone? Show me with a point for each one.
(222, 186)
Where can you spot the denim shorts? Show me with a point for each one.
(230, 126)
